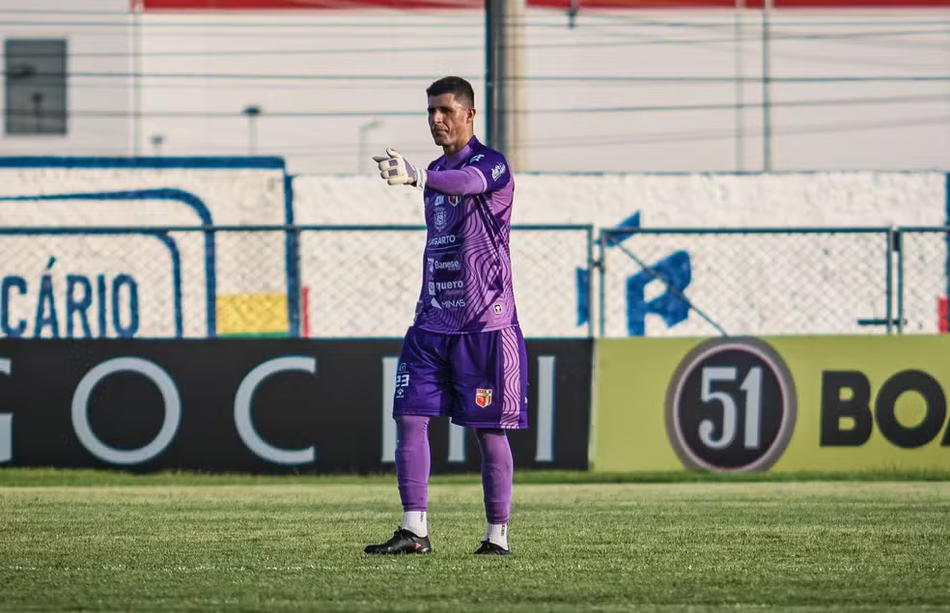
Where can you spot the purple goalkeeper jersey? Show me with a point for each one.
(466, 282)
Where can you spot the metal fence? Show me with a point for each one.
(313, 281)
(749, 281)
(771, 281)
(363, 281)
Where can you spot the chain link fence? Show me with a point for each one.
(364, 281)
(923, 261)
(144, 282)
(692, 282)
(313, 281)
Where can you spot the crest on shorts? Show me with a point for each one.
(482, 397)
(454, 200)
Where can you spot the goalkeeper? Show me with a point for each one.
(464, 355)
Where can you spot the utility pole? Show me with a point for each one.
(137, 9)
(739, 17)
(504, 78)
(766, 87)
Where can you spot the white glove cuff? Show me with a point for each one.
(421, 177)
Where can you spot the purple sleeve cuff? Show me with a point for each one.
(462, 182)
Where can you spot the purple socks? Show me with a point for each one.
(497, 473)
(413, 463)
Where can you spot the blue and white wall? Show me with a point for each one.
(58, 282)
(365, 283)
(759, 284)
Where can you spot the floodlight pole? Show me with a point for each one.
(252, 112)
(766, 87)
(363, 147)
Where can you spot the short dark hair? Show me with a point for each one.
(453, 85)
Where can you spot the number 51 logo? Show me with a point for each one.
(731, 406)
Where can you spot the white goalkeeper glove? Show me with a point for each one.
(397, 171)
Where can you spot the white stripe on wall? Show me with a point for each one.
(390, 364)
(545, 425)
(456, 443)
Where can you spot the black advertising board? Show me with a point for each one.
(256, 406)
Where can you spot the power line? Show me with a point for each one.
(172, 114)
(729, 134)
(438, 49)
(341, 149)
(752, 105)
(322, 86)
(477, 23)
(425, 49)
(386, 78)
(256, 24)
(546, 19)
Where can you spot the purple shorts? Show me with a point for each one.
(480, 380)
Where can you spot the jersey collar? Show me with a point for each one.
(463, 155)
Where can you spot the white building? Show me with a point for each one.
(622, 90)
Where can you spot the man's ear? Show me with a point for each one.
(471, 115)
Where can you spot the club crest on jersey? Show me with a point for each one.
(482, 397)
(497, 171)
(440, 219)
(454, 200)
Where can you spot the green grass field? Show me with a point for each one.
(99, 542)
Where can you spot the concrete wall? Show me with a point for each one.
(573, 124)
(99, 41)
(323, 78)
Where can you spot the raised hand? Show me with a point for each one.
(397, 171)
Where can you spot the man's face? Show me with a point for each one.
(450, 122)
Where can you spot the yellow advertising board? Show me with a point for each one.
(824, 403)
(252, 315)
